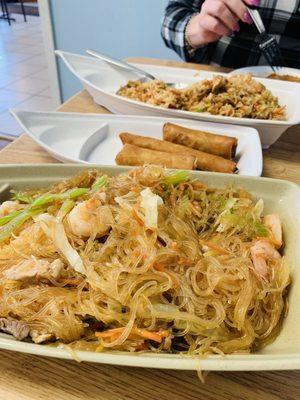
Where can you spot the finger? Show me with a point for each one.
(219, 9)
(254, 3)
(238, 7)
(212, 24)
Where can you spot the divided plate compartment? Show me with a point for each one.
(279, 196)
(102, 81)
(92, 142)
(94, 138)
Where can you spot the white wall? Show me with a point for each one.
(120, 28)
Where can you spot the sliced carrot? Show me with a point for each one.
(135, 333)
(185, 261)
(158, 267)
(135, 189)
(174, 246)
(134, 232)
(147, 334)
(213, 246)
(71, 281)
(137, 217)
(109, 333)
(136, 253)
(163, 333)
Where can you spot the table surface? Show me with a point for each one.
(25, 377)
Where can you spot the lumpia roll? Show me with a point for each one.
(205, 161)
(223, 146)
(134, 155)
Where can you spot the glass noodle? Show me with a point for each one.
(148, 260)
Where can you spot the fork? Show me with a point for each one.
(145, 75)
(268, 44)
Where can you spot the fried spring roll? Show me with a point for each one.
(223, 146)
(205, 161)
(134, 155)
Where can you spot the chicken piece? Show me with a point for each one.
(34, 268)
(272, 221)
(260, 252)
(90, 217)
(8, 207)
(18, 329)
(41, 337)
(218, 82)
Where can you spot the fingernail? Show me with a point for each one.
(247, 18)
(236, 28)
(255, 2)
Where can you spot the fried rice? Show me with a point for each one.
(234, 96)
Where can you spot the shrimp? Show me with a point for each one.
(8, 207)
(260, 252)
(90, 217)
(272, 222)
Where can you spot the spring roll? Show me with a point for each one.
(223, 146)
(204, 161)
(134, 155)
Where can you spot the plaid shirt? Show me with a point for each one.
(281, 19)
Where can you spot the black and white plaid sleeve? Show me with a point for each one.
(281, 19)
(177, 15)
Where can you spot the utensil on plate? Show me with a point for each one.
(268, 44)
(146, 76)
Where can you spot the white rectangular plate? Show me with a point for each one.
(94, 138)
(279, 196)
(103, 81)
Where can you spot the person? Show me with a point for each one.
(222, 32)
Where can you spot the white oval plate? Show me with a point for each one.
(263, 71)
(103, 80)
(94, 138)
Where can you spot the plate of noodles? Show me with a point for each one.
(150, 267)
(286, 74)
(270, 106)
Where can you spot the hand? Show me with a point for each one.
(218, 18)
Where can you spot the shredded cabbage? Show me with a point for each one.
(149, 204)
(54, 229)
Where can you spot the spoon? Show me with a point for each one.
(146, 76)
